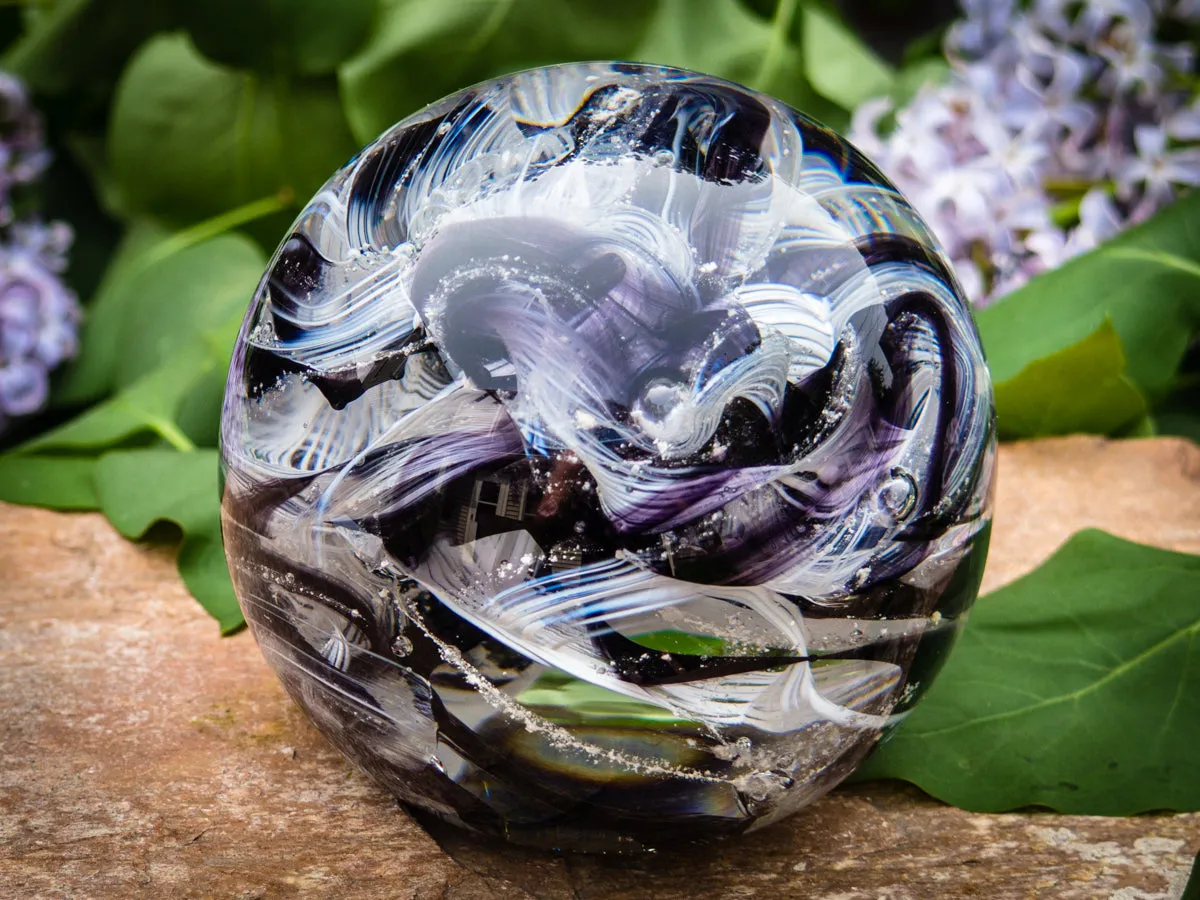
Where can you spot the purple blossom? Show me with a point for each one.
(1098, 17)
(1042, 100)
(23, 154)
(39, 315)
(983, 28)
(1184, 124)
(1135, 62)
(1155, 170)
(1186, 11)
(1058, 113)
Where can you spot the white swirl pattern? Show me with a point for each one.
(587, 359)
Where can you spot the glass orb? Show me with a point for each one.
(607, 458)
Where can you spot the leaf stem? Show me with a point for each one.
(30, 43)
(489, 27)
(170, 433)
(781, 24)
(1166, 260)
(218, 225)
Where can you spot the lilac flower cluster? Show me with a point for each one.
(1060, 124)
(39, 315)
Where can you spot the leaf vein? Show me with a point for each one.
(1072, 696)
(1162, 258)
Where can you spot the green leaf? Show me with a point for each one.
(1076, 687)
(81, 45)
(148, 408)
(838, 64)
(306, 36)
(57, 482)
(199, 412)
(139, 488)
(1082, 388)
(155, 299)
(915, 75)
(196, 291)
(90, 375)
(422, 50)
(206, 575)
(1146, 280)
(723, 38)
(162, 332)
(425, 49)
(189, 139)
(1191, 890)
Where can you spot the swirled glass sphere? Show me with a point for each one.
(607, 458)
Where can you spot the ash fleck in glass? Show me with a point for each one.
(608, 454)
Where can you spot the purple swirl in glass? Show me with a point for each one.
(607, 458)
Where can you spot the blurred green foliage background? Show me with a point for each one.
(176, 111)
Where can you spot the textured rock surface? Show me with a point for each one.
(1144, 490)
(145, 756)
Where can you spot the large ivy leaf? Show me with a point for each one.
(139, 488)
(164, 339)
(1146, 280)
(422, 50)
(837, 63)
(145, 410)
(90, 375)
(190, 139)
(1082, 388)
(159, 336)
(724, 38)
(425, 49)
(307, 36)
(56, 483)
(1076, 687)
(199, 413)
(155, 299)
(195, 291)
(81, 45)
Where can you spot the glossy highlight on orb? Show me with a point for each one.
(607, 458)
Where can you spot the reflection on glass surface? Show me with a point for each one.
(608, 455)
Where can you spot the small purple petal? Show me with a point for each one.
(24, 387)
